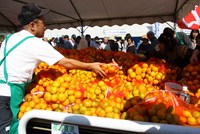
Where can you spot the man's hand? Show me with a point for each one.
(96, 67)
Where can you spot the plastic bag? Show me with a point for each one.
(165, 107)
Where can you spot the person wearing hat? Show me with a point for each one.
(20, 54)
(113, 45)
(144, 47)
(96, 39)
(153, 40)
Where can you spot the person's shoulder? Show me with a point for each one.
(67, 42)
(181, 34)
(92, 42)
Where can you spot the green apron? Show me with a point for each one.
(17, 90)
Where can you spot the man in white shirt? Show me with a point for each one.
(105, 43)
(20, 54)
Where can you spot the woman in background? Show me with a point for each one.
(195, 38)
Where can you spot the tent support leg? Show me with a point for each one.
(82, 31)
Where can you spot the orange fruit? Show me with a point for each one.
(64, 85)
(142, 88)
(45, 83)
(93, 96)
(53, 90)
(155, 69)
(32, 104)
(194, 73)
(138, 77)
(189, 68)
(56, 84)
(187, 113)
(108, 109)
(44, 106)
(62, 97)
(109, 115)
(23, 108)
(61, 89)
(101, 113)
(78, 101)
(97, 91)
(82, 109)
(198, 121)
(144, 65)
(87, 112)
(54, 97)
(54, 106)
(38, 106)
(138, 71)
(28, 108)
(155, 82)
(153, 74)
(191, 121)
(104, 104)
(111, 69)
(71, 99)
(60, 79)
(65, 103)
(78, 94)
(70, 92)
(75, 107)
(101, 97)
(138, 118)
(93, 110)
(87, 103)
(150, 79)
(48, 96)
(132, 75)
(40, 82)
(20, 114)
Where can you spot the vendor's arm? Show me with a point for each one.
(75, 64)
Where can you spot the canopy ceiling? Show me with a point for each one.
(74, 13)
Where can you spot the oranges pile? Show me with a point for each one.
(115, 96)
(191, 74)
(110, 68)
(149, 73)
(190, 117)
(156, 113)
(159, 107)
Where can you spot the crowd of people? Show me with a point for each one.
(178, 45)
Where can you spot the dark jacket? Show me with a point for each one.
(181, 55)
(67, 45)
(131, 49)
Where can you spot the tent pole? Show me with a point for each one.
(82, 31)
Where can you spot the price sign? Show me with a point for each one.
(57, 128)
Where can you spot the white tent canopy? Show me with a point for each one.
(73, 13)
